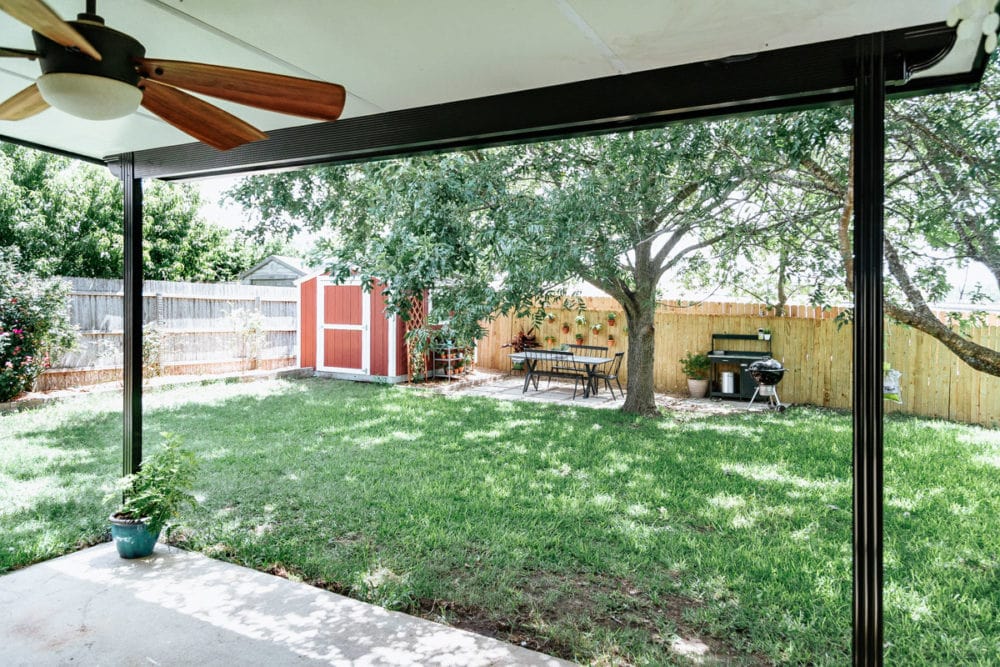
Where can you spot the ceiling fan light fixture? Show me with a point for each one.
(88, 96)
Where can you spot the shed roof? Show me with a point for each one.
(294, 265)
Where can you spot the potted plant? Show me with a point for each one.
(551, 340)
(153, 496)
(611, 340)
(611, 319)
(696, 368)
(765, 334)
(581, 320)
(579, 337)
(550, 317)
(596, 328)
(565, 327)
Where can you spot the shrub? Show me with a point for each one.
(696, 366)
(162, 487)
(34, 326)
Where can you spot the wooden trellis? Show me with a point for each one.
(416, 320)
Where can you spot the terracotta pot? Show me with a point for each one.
(565, 328)
(698, 388)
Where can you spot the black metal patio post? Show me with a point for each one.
(132, 317)
(869, 184)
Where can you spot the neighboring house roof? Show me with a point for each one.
(293, 265)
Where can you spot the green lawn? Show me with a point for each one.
(583, 533)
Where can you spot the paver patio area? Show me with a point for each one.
(511, 388)
(182, 608)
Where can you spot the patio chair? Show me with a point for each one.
(585, 349)
(612, 374)
(550, 358)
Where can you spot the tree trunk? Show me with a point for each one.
(639, 398)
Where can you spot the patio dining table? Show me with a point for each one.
(531, 358)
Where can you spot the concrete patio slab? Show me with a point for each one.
(182, 608)
(512, 389)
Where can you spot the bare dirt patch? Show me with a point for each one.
(588, 602)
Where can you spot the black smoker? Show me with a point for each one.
(767, 373)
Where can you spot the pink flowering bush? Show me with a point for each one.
(34, 326)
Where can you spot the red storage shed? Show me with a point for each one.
(345, 332)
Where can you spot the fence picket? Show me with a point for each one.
(195, 318)
(818, 353)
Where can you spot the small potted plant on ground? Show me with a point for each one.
(153, 496)
(696, 367)
(611, 319)
(579, 337)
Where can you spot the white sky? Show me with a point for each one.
(231, 215)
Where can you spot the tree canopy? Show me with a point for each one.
(65, 218)
(942, 208)
(508, 228)
(762, 206)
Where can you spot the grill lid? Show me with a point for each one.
(766, 371)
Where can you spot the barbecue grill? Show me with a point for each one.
(767, 373)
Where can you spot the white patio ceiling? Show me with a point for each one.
(400, 54)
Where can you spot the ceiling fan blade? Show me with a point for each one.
(23, 105)
(274, 92)
(39, 17)
(6, 52)
(203, 121)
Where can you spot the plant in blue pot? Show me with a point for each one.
(153, 496)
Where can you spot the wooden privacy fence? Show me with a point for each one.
(818, 354)
(200, 328)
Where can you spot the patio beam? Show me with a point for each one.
(132, 317)
(869, 187)
(791, 78)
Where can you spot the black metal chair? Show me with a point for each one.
(583, 350)
(586, 348)
(612, 374)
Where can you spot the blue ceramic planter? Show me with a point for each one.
(131, 537)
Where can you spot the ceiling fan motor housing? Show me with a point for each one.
(118, 53)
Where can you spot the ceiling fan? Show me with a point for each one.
(95, 72)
